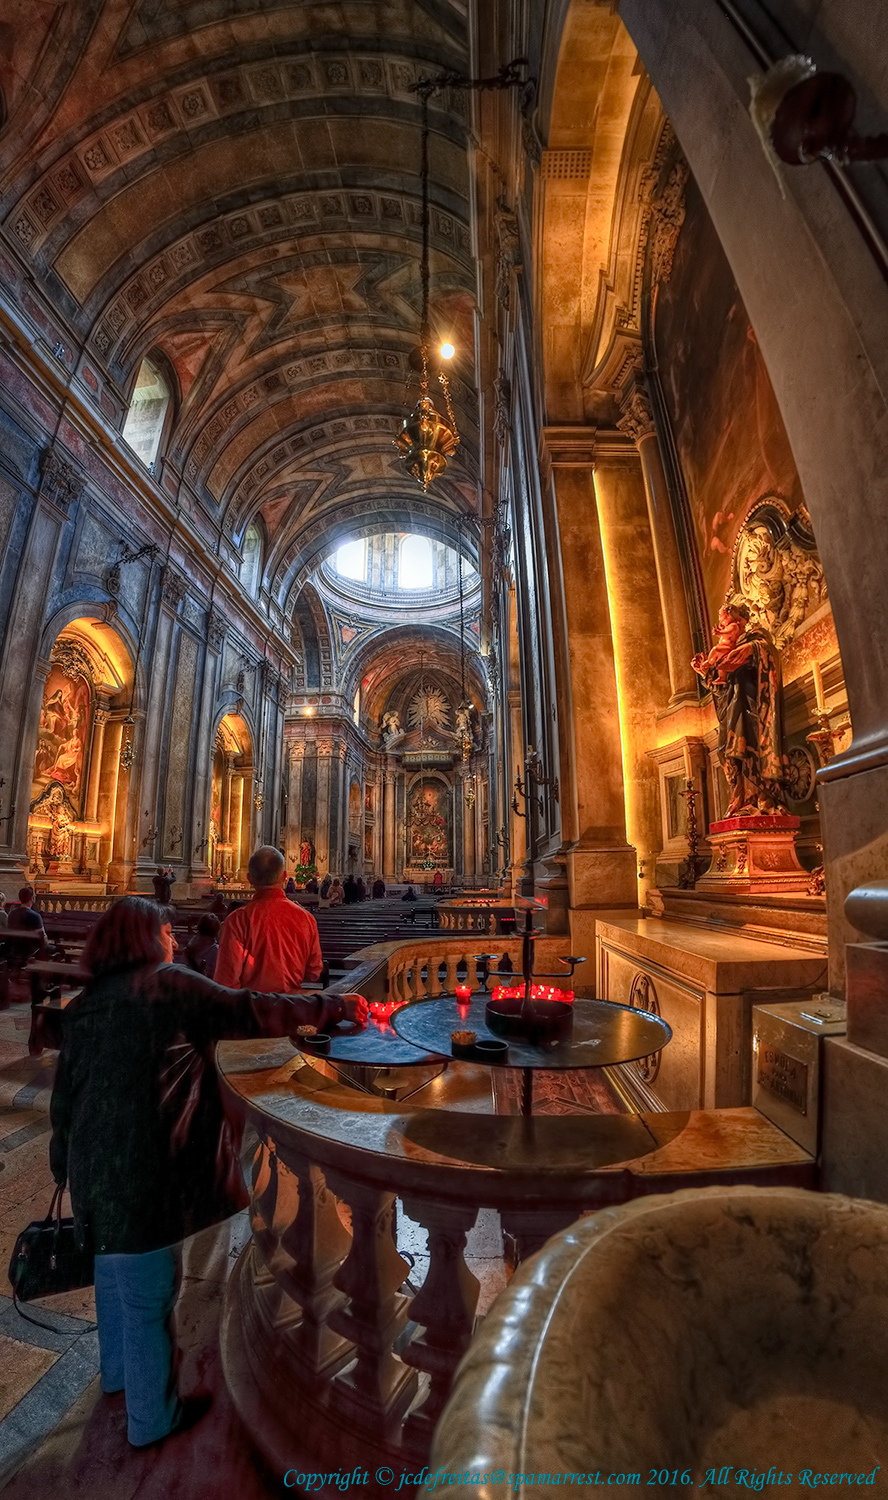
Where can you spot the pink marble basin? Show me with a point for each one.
(716, 1328)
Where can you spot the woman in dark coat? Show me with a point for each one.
(141, 1138)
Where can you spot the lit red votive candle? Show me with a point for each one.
(463, 994)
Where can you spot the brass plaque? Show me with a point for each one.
(784, 1076)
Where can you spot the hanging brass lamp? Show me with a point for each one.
(425, 442)
(427, 439)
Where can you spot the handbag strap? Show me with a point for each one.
(55, 1207)
(48, 1327)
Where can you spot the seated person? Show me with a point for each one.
(336, 895)
(362, 890)
(219, 906)
(311, 886)
(290, 887)
(409, 894)
(325, 886)
(350, 890)
(203, 949)
(25, 920)
(163, 888)
(378, 889)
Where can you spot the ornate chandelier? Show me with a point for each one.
(427, 440)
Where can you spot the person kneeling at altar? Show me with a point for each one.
(141, 1137)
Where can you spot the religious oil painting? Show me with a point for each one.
(63, 735)
(429, 834)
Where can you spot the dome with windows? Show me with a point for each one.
(398, 570)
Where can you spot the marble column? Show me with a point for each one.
(639, 650)
(106, 804)
(296, 761)
(236, 821)
(157, 674)
(468, 817)
(100, 719)
(389, 826)
(322, 824)
(600, 861)
(637, 423)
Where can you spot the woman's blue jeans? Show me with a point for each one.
(135, 1295)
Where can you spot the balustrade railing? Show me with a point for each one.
(54, 902)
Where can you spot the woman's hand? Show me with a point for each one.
(355, 1009)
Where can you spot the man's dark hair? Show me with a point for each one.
(126, 937)
(26, 895)
(266, 867)
(208, 926)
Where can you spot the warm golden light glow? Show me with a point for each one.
(447, 351)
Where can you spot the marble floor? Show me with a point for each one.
(59, 1436)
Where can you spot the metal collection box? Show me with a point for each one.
(787, 1063)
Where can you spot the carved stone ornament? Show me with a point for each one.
(59, 481)
(508, 250)
(502, 394)
(636, 418)
(776, 569)
(643, 995)
(72, 659)
(216, 629)
(174, 588)
(667, 217)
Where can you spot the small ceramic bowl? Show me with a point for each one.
(491, 1050)
(319, 1043)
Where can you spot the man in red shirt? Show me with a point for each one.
(271, 943)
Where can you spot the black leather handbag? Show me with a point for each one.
(46, 1258)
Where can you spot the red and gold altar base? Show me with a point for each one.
(755, 854)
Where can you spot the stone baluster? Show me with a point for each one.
(434, 977)
(417, 989)
(317, 1242)
(445, 1307)
(264, 1201)
(452, 981)
(472, 979)
(377, 1389)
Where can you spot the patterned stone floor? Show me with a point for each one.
(58, 1435)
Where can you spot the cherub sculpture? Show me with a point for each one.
(743, 672)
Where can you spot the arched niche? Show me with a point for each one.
(232, 800)
(83, 784)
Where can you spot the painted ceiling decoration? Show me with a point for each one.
(235, 191)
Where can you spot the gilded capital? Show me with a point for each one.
(636, 420)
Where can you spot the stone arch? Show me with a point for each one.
(83, 745)
(231, 809)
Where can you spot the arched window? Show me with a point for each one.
(251, 565)
(350, 560)
(148, 408)
(415, 566)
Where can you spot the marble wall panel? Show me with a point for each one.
(178, 762)
(678, 1081)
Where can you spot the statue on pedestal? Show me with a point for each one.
(743, 673)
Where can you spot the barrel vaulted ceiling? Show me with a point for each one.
(233, 186)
